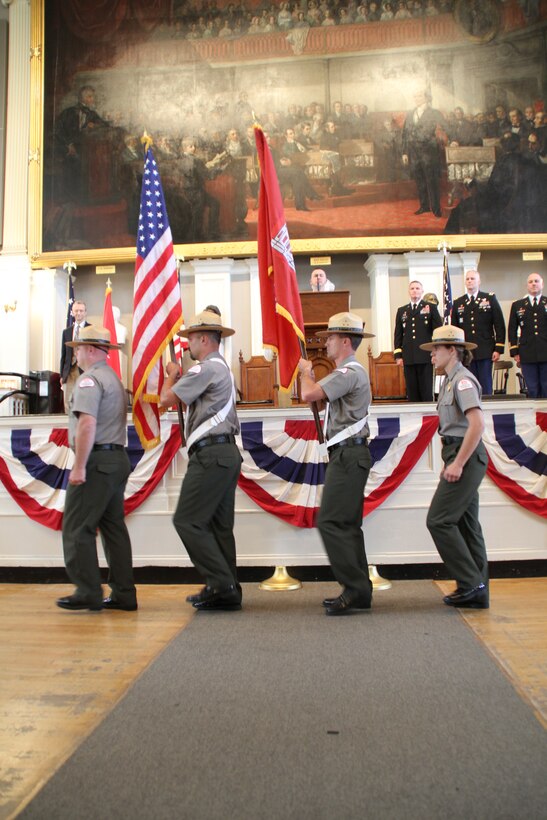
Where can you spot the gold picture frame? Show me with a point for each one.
(42, 257)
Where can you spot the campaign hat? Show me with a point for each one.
(448, 335)
(347, 324)
(93, 335)
(207, 320)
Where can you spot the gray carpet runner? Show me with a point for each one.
(281, 712)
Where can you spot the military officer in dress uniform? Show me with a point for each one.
(480, 315)
(528, 337)
(347, 390)
(204, 518)
(94, 499)
(414, 324)
(453, 517)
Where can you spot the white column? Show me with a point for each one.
(14, 262)
(212, 286)
(17, 129)
(377, 267)
(47, 315)
(256, 311)
(470, 261)
(15, 324)
(427, 268)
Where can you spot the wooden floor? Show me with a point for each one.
(62, 672)
(514, 630)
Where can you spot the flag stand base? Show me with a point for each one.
(377, 581)
(280, 580)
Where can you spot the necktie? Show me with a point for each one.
(76, 331)
(414, 307)
(535, 301)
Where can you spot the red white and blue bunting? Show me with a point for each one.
(284, 474)
(517, 456)
(282, 470)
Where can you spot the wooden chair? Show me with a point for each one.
(523, 390)
(387, 380)
(500, 376)
(258, 382)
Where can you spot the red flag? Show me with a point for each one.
(282, 321)
(157, 307)
(113, 357)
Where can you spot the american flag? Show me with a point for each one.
(180, 346)
(447, 291)
(157, 306)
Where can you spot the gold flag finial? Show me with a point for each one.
(146, 140)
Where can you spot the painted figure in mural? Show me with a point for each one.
(422, 152)
(73, 125)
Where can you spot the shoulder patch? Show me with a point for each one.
(87, 382)
(465, 384)
(196, 368)
(342, 369)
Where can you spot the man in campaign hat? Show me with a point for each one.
(94, 499)
(347, 391)
(453, 517)
(204, 518)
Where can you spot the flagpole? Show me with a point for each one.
(180, 414)
(314, 407)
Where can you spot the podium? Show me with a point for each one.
(317, 308)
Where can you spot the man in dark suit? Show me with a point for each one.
(480, 315)
(528, 337)
(71, 127)
(194, 174)
(68, 368)
(414, 325)
(421, 152)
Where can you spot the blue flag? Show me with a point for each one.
(447, 292)
(70, 301)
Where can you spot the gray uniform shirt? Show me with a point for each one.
(460, 391)
(205, 388)
(99, 392)
(348, 392)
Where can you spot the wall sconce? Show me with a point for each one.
(12, 307)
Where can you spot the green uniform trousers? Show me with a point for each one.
(98, 504)
(204, 518)
(340, 517)
(453, 520)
